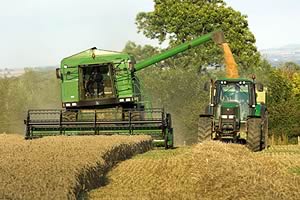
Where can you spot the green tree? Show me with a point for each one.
(284, 101)
(140, 52)
(177, 21)
(32, 90)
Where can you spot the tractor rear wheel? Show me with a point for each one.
(254, 138)
(204, 129)
(265, 132)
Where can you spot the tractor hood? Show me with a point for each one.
(230, 108)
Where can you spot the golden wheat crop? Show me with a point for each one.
(60, 167)
(210, 170)
(287, 155)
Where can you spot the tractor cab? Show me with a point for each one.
(234, 97)
(233, 101)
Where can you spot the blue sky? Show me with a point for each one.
(42, 32)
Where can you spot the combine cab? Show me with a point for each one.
(234, 114)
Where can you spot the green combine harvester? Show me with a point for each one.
(236, 113)
(101, 95)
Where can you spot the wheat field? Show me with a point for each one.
(61, 167)
(287, 155)
(210, 170)
(69, 167)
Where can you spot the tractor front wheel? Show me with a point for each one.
(204, 129)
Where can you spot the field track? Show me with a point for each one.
(61, 167)
(206, 171)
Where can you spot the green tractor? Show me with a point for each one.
(101, 95)
(236, 113)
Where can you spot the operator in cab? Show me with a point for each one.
(99, 82)
(95, 79)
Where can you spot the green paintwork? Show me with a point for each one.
(123, 66)
(234, 79)
(257, 110)
(230, 104)
(70, 72)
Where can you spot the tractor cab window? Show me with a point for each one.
(235, 92)
(96, 81)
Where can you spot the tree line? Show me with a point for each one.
(177, 83)
(32, 90)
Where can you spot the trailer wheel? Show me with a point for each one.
(204, 129)
(254, 137)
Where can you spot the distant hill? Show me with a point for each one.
(288, 53)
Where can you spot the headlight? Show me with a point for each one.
(230, 116)
(227, 116)
(68, 104)
(74, 104)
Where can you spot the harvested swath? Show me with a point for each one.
(210, 170)
(287, 155)
(61, 167)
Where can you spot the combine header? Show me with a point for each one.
(101, 95)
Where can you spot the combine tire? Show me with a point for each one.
(254, 138)
(204, 129)
(169, 132)
(167, 146)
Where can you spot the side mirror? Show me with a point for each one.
(207, 86)
(58, 75)
(259, 87)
